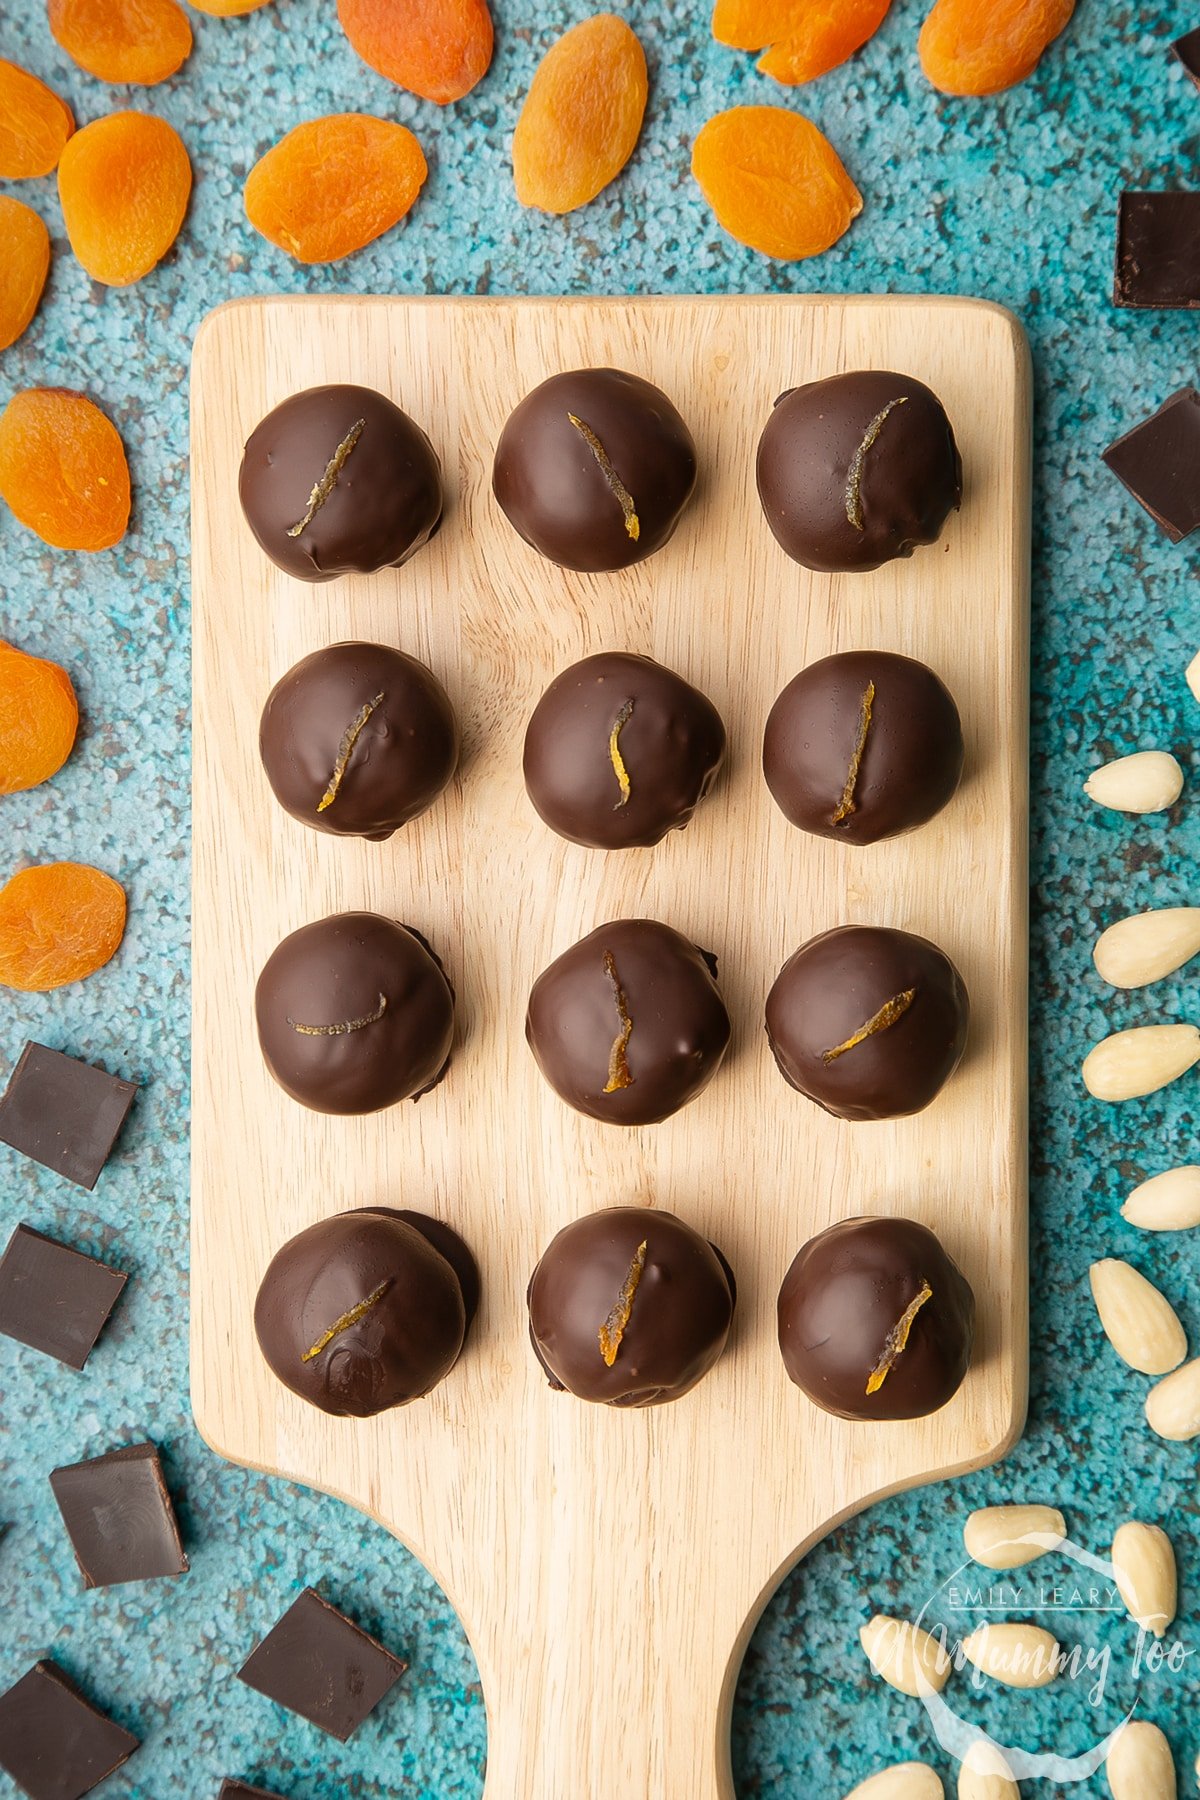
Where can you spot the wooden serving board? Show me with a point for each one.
(608, 1566)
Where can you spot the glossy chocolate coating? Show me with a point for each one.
(358, 739)
(844, 981)
(843, 1296)
(863, 746)
(678, 1029)
(678, 1316)
(670, 741)
(405, 1339)
(847, 483)
(384, 989)
(554, 489)
(383, 504)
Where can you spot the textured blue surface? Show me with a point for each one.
(1013, 200)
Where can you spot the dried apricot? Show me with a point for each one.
(124, 183)
(333, 185)
(39, 716)
(802, 38)
(143, 41)
(23, 267)
(63, 469)
(984, 46)
(438, 49)
(58, 923)
(774, 181)
(582, 116)
(34, 124)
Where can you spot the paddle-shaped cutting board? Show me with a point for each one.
(608, 1566)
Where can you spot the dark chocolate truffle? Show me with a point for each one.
(367, 1310)
(858, 469)
(629, 1307)
(876, 1320)
(355, 1013)
(339, 481)
(619, 751)
(358, 739)
(594, 469)
(869, 1023)
(629, 1025)
(863, 746)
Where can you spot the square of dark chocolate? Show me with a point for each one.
(53, 1298)
(63, 1113)
(319, 1664)
(1158, 251)
(119, 1517)
(1159, 462)
(1187, 49)
(53, 1742)
(241, 1790)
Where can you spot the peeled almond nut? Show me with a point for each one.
(1167, 1202)
(1146, 946)
(1149, 781)
(1008, 1537)
(1193, 681)
(1140, 1765)
(984, 1775)
(1173, 1405)
(1132, 1063)
(903, 1781)
(1143, 1561)
(1015, 1652)
(907, 1658)
(1139, 1322)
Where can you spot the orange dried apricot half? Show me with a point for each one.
(39, 716)
(23, 267)
(333, 185)
(438, 49)
(984, 46)
(802, 38)
(582, 116)
(63, 469)
(140, 41)
(124, 182)
(34, 124)
(774, 181)
(59, 922)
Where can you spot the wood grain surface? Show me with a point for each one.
(608, 1566)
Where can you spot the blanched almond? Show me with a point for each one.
(984, 1775)
(1139, 1322)
(1149, 781)
(1015, 1652)
(907, 1658)
(903, 1781)
(1167, 1202)
(1140, 1765)
(1147, 946)
(1143, 1561)
(1173, 1405)
(1131, 1063)
(1008, 1537)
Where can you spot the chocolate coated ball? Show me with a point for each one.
(339, 481)
(629, 1307)
(870, 1023)
(594, 468)
(858, 469)
(354, 1013)
(876, 1321)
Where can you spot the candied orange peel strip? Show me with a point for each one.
(614, 1327)
(889, 1012)
(349, 1318)
(897, 1338)
(59, 922)
(342, 1027)
(854, 512)
(866, 712)
(350, 737)
(325, 486)
(620, 493)
(618, 1060)
(616, 759)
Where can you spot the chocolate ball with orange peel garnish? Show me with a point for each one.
(863, 746)
(628, 1025)
(620, 750)
(869, 1022)
(876, 1320)
(629, 1307)
(594, 469)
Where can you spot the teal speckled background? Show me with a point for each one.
(1012, 199)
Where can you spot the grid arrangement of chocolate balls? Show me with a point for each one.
(628, 1306)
